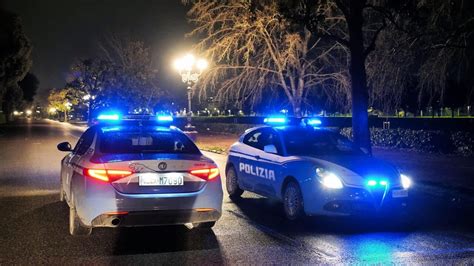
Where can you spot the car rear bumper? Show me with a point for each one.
(96, 201)
(154, 218)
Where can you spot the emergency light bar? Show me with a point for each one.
(109, 117)
(314, 122)
(275, 120)
(164, 118)
(115, 117)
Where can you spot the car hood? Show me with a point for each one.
(355, 170)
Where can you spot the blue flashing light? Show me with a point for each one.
(109, 117)
(375, 182)
(275, 120)
(371, 183)
(164, 118)
(314, 122)
(111, 129)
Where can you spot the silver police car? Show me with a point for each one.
(129, 172)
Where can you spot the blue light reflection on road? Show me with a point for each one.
(376, 248)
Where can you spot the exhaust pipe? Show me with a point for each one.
(115, 221)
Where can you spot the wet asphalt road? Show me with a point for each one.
(33, 223)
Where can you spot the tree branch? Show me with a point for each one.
(371, 46)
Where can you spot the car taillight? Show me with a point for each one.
(206, 173)
(108, 175)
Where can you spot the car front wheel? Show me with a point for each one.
(293, 201)
(232, 184)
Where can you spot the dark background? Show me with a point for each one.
(62, 31)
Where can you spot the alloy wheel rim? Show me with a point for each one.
(291, 201)
(231, 181)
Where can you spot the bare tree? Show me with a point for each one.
(254, 48)
(124, 74)
(134, 71)
(421, 50)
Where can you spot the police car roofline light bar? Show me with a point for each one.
(109, 117)
(275, 120)
(164, 118)
(314, 122)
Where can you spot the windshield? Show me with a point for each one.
(146, 141)
(310, 142)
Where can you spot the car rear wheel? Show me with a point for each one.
(232, 184)
(76, 228)
(293, 201)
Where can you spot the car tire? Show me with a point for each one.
(206, 225)
(76, 228)
(232, 184)
(293, 201)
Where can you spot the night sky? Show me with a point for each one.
(62, 30)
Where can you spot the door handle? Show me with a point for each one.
(257, 157)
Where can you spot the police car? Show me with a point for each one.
(138, 172)
(313, 171)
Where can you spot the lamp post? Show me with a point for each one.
(190, 69)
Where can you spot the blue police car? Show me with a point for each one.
(313, 171)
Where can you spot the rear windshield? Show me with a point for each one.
(146, 142)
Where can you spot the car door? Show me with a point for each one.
(248, 160)
(74, 162)
(268, 163)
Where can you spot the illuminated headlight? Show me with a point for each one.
(328, 179)
(406, 181)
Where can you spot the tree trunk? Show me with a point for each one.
(359, 90)
(296, 104)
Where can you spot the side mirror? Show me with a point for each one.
(64, 146)
(270, 149)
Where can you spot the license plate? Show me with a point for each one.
(400, 193)
(160, 180)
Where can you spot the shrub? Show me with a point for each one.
(434, 141)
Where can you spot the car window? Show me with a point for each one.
(84, 142)
(254, 139)
(146, 141)
(262, 137)
(270, 137)
(317, 142)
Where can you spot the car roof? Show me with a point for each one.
(134, 125)
(289, 128)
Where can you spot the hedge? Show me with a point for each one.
(433, 141)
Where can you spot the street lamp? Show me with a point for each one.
(190, 69)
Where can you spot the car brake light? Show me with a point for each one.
(206, 173)
(106, 175)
